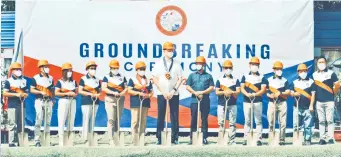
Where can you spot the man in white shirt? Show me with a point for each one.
(167, 76)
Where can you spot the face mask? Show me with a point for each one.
(114, 72)
(199, 67)
(170, 54)
(69, 74)
(17, 73)
(302, 75)
(92, 72)
(321, 66)
(46, 70)
(254, 68)
(278, 72)
(141, 73)
(228, 71)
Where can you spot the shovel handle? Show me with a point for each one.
(118, 111)
(198, 113)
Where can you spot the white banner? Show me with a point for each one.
(80, 31)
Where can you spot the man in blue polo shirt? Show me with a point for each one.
(303, 88)
(279, 91)
(16, 90)
(200, 84)
(253, 85)
(228, 86)
(326, 84)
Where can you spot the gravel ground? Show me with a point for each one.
(183, 149)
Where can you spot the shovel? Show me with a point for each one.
(166, 135)
(45, 139)
(23, 138)
(139, 140)
(118, 135)
(92, 138)
(273, 135)
(251, 139)
(223, 136)
(68, 134)
(197, 136)
(297, 135)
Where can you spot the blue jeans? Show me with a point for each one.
(305, 119)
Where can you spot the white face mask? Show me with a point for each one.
(321, 66)
(170, 54)
(69, 74)
(303, 75)
(92, 72)
(199, 67)
(254, 68)
(17, 73)
(228, 71)
(278, 72)
(141, 73)
(46, 70)
(114, 72)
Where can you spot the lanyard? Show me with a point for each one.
(165, 65)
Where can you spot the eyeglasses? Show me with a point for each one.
(92, 68)
(225, 68)
(142, 69)
(114, 69)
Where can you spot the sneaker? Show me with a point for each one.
(190, 142)
(331, 141)
(38, 144)
(245, 143)
(308, 143)
(12, 145)
(158, 142)
(205, 142)
(322, 142)
(233, 143)
(175, 142)
(281, 143)
(259, 143)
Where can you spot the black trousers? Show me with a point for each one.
(204, 110)
(174, 116)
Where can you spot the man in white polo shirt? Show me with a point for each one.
(167, 76)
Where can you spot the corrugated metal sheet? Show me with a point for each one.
(7, 29)
(327, 29)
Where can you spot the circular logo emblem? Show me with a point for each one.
(171, 20)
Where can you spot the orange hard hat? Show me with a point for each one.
(66, 66)
(200, 59)
(15, 65)
(43, 63)
(254, 60)
(114, 64)
(168, 45)
(302, 67)
(227, 64)
(139, 65)
(91, 63)
(278, 65)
